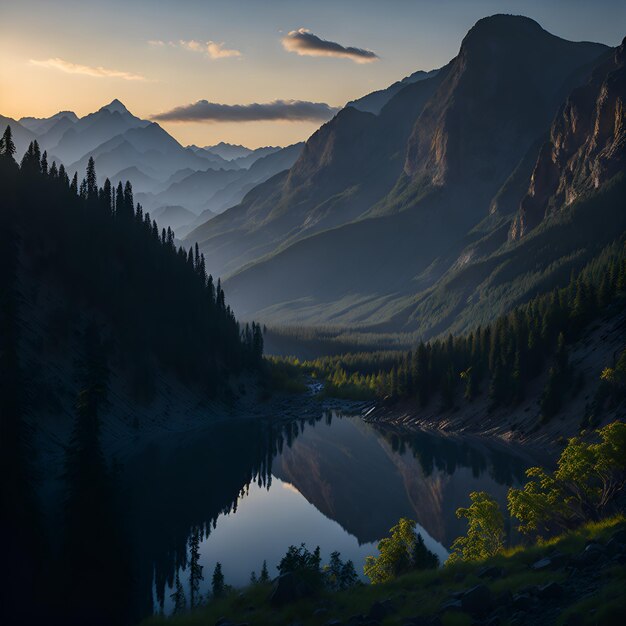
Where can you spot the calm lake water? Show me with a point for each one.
(338, 482)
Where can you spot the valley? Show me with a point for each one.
(364, 367)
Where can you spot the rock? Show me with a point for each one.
(502, 601)
(223, 621)
(619, 536)
(590, 555)
(620, 558)
(423, 621)
(558, 559)
(490, 572)
(518, 619)
(594, 545)
(494, 620)
(356, 620)
(289, 588)
(451, 605)
(380, 610)
(550, 591)
(521, 601)
(477, 600)
(334, 622)
(319, 612)
(541, 564)
(614, 545)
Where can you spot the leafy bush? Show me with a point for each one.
(401, 553)
(485, 531)
(585, 486)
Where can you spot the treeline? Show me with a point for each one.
(498, 359)
(110, 256)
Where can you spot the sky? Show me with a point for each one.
(196, 66)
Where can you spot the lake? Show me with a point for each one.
(337, 482)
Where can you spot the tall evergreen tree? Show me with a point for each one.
(195, 569)
(217, 582)
(7, 144)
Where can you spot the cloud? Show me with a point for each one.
(212, 49)
(289, 110)
(304, 43)
(76, 68)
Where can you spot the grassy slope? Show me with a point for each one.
(597, 598)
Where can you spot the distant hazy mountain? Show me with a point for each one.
(375, 101)
(228, 151)
(140, 180)
(380, 210)
(42, 125)
(256, 154)
(211, 191)
(173, 216)
(90, 131)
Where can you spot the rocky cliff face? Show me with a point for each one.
(587, 145)
(502, 90)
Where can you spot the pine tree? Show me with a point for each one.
(119, 200)
(129, 206)
(217, 582)
(7, 144)
(44, 163)
(195, 569)
(92, 183)
(178, 596)
(264, 577)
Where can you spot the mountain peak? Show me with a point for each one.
(115, 106)
(501, 28)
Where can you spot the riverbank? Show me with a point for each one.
(575, 579)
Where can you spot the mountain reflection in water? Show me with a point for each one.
(341, 483)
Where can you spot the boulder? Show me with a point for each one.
(541, 564)
(619, 536)
(477, 601)
(490, 572)
(550, 591)
(451, 605)
(521, 601)
(334, 622)
(289, 588)
(223, 621)
(380, 609)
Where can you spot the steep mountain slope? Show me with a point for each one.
(262, 169)
(587, 145)
(349, 163)
(491, 105)
(375, 101)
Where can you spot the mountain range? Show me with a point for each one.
(445, 201)
(126, 147)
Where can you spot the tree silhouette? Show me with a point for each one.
(195, 569)
(217, 582)
(7, 146)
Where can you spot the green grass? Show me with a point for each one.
(422, 593)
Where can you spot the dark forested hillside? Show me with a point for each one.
(98, 311)
(154, 303)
